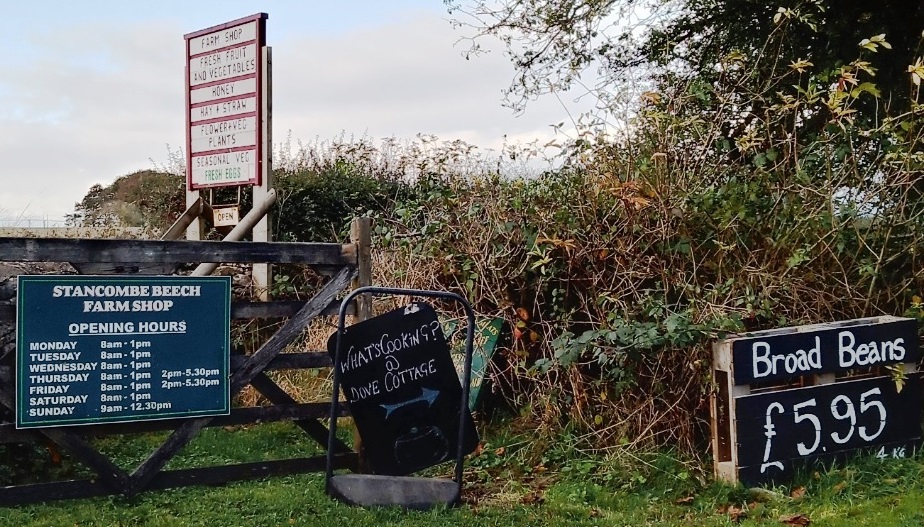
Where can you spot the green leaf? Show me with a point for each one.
(586, 337)
(870, 88)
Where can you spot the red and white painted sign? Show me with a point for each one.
(225, 107)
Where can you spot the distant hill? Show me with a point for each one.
(146, 198)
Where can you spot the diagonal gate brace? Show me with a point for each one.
(113, 477)
(254, 366)
(313, 427)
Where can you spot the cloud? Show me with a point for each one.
(401, 79)
(91, 102)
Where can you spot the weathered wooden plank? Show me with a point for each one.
(8, 288)
(135, 252)
(53, 490)
(312, 427)
(289, 361)
(239, 310)
(278, 309)
(123, 268)
(89, 488)
(238, 416)
(361, 236)
(257, 362)
(219, 475)
(112, 476)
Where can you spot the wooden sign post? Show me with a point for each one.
(793, 395)
(229, 120)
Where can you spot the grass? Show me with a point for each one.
(509, 482)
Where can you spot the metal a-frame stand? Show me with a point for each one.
(410, 492)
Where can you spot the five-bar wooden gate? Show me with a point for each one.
(343, 265)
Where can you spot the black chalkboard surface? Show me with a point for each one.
(403, 390)
(787, 354)
(781, 430)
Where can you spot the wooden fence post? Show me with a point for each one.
(361, 236)
(262, 273)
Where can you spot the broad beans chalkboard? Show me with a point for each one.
(790, 396)
(772, 356)
(779, 430)
(403, 391)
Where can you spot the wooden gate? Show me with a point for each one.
(343, 265)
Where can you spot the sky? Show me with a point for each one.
(93, 90)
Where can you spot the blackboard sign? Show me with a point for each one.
(94, 349)
(776, 355)
(790, 396)
(402, 390)
(778, 431)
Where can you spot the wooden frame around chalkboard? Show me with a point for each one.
(724, 427)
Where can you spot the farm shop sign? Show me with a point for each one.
(111, 349)
(769, 427)
(787, 354)
(225, 103)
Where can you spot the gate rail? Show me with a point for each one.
(345, 265)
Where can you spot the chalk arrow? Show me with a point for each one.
(426, 395)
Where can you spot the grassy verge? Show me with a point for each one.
(507, 483)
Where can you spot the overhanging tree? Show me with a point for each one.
(553, 42)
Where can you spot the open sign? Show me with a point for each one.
(226, 216)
